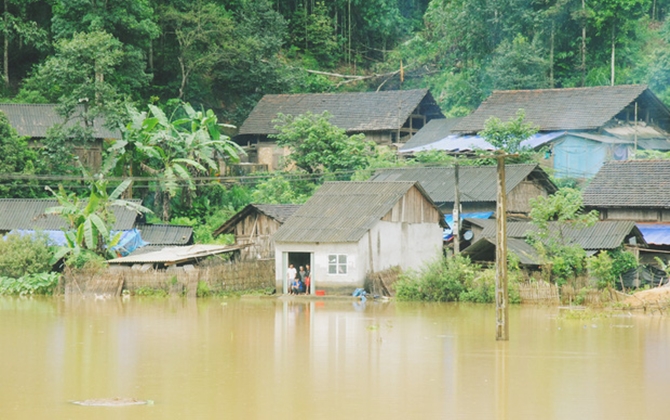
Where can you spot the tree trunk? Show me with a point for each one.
(583, 45)
(551, 57)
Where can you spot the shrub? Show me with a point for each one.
(86, 260)
(441, 281)
(24, 255)
(32, 284)
(203, 289)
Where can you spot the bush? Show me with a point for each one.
(32, 284)
(86, 260)
(441, 281)
(24, 255)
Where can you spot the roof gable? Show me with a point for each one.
(433, 131)
(28, 214)
(34, 120)
(352, 111)
(476, 183)
(566, 109)
(278, 212)
(344, 211)
(633, 183)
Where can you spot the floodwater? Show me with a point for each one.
(276, 359)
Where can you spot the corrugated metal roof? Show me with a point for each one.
(19, 213)
(484, 250)
(435, 130)
(33, 120)
(560, 109)
(352, 111)
(343, 211)
(166, 234)
(635, 183)
(279, 212)
(456, 143)
(606, 234)
(176, 254)
(476, 183)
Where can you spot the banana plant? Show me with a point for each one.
(90, 220)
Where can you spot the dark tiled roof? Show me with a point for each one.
(633, 183)
(166, 234)
(602, 235)
(28, 214)
(561, 109)
(435, 130)
(476, 183)
(279, 212)
(484, 250)
(33, 120)
(354, 112)
(343, 211)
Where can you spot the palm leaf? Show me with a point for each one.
(120, 189)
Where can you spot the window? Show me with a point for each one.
(337, 264)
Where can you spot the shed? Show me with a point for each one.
(477, 185)
(349, 229)
(159, 236)
(28, 214)
(603, 235)
(253, 227)
(386, 117)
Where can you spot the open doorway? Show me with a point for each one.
(299, 259)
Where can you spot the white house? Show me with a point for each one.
(349, 229)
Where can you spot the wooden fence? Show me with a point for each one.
(538, 292)
(223, 277)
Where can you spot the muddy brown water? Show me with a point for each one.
(274, 359)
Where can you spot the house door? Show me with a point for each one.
(298, 259)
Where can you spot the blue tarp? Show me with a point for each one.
(449, 218)
(129, 242)
(656, 234)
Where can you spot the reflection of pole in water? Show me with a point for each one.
(501, 381)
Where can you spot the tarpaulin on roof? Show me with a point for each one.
(656, 234)
(449, 218)
(460, 143)
(130, 239)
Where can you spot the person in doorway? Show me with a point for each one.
(290, 275)
(307, 279)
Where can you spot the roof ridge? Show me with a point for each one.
(571, 88)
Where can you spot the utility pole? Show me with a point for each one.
(502, 296)
(635, 146)
(456, 224)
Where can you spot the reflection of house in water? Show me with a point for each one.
(349, 229)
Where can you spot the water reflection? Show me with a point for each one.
(326, 360)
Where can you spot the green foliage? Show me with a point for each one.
(31, 284)
(280, 189)
(508, 135)
(17, 158)
(90, 220)
(24, 255)
(317, 146)
(443, 280)
(86, 260)
(518, 64)
(564, 208)
(150, 292)
(203, 289)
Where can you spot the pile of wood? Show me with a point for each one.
(380, 283)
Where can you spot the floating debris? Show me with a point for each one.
(112, 402)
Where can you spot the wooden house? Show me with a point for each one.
(349, 229)
(477, 186)
(34, 121)
(387, 118)
(254, 226)
(579, 128)
(637, 190)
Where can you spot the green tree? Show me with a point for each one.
(17, 158)
(280, 189)
(553, 215)
(518, 64)
(318, 147)
(508, 135)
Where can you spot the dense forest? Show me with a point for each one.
(225, 54)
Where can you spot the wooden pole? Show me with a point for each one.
(502, 310)
(456, 225)
(635, 147)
